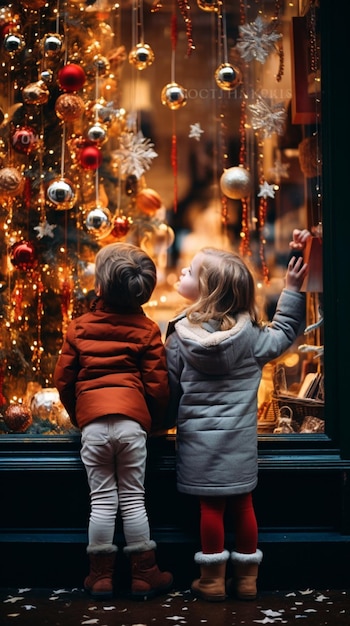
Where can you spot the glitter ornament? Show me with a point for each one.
(18, 418)
(228, 77)
(23, 255)
(236, 183)
(24, 139)
(52, 45)
(71, 77)
(90, 158)
(141, 56)
(148, 201)
(174, 96)
(69, 107)
(121, 226)
(35, 93)
(11, 181)
(208, 5)
(61, 193)
(97, 133)
(99, 222)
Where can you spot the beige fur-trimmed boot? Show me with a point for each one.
(211, 584)
(243, 583)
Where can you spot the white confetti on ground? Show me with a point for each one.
(13, 599)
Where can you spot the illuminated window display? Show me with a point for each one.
(170, 125)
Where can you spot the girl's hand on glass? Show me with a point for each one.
(296, 273)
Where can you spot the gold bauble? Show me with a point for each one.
(228, 77)
(236, 182)
(174, 96)
(141, 56)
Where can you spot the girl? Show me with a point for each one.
(215, 352)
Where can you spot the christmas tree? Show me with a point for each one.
(72, 178)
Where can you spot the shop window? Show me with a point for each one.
(170, 125)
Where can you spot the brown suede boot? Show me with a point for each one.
(246, 566)
(99, 582)
(147, 581)
(211, 584)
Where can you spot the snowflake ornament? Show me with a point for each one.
(257, 40)
(266, 191)
(45, 229)
(267, 116)
(195, 131)
(279, 170)
(135, 154)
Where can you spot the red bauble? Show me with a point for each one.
(23, 256)
(90, 158)
(71, 77)
(24, 139)
(121, 226)
(18, 418)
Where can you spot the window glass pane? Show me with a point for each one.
(172, 126)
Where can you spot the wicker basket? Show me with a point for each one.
(300, 407)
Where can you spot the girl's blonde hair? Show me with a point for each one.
(124, 275)
(226, 288)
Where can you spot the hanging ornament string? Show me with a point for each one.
(279, 44)
(185, 12)
(314, 70)
(244, 246)
(174, 164)
(222, 45)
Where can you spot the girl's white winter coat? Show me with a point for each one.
(214, 378)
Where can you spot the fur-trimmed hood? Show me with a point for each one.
(211, 350)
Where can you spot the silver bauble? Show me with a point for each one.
(97, 133)
(61, 193)
(236, 182)
(99, 222)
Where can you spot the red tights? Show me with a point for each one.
(212, 530)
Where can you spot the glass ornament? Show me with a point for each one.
(174, 96)
(71, 77)
(24, 139)
(148, 201)
(11, 181)
(208, 5)
(236, 182)
(228, 77)
(141, 56)
(52, 45)
(99, 222)
(97, 133)
(35, 93)
(90, 158)
(61, 193)
(121, 226)
(99, 66)
(18, 417)
(23, 255)
(69, 107)
(14, 42)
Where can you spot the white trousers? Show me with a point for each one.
(114, 455)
